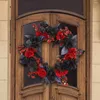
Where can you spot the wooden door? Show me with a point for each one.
(75, 90)
(25, 89)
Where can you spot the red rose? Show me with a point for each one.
(41, 72)
(29, 52)
(61, 73)
(60, 35)
(72, 53)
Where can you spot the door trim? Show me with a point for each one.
(51, 11)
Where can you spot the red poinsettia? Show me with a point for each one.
(29, 52)
(72, 54)
(41, 72)
(61, 73)
(60, 35)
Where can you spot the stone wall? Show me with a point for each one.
(4, 32)
(96, 51)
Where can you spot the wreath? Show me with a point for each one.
(67, 60)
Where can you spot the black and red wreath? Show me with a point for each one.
(66, 61)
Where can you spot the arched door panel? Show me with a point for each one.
(64, 93)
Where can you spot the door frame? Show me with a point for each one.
(88, 14)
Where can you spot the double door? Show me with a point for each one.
(34, 89)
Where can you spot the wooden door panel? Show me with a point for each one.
(59, 92)
(45, 52)
(54, 52)
(34, 97)
(66, 97)
(31, 91)
(71, 92)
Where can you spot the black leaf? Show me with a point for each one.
(24, 60)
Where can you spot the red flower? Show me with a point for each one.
(21, 49)
(38, 33)
(65, 72)
(32, 74)
(52, 39)
(49, 41)
(61, 73)
(60, 35)
(67, 31)
(63, 33)
(41, 72)
(38, 60)
(46, 36)
(29, 52)
(72, 53)
(61, 44)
